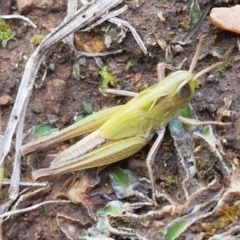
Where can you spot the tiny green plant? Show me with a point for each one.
(129, 65)
(6, 33)
(185, 24)
(36, 39)
(170, 180)
(108, 79)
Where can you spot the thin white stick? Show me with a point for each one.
(71, 9)
(99, 54)
(15, 178)
(19, 17)
(132, 29)
(106, 17)
(25, 184)
(25, 88)
(13, 212)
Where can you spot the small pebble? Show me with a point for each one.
(226, 18)
(63, 72)
(177, 49)
(137, 77)
(5, 100)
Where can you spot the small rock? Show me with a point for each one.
(5, 100)
(63, 72)
(137, 77)
(25, 6)
(177, 49)
(226, 18)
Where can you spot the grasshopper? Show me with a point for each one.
(119, 132)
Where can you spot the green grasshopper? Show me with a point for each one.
(119, 132)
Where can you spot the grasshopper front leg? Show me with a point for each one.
(150, 158)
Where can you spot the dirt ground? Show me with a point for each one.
(64, 98)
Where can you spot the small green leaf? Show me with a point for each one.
(113, 208)
(180, 127)
(76, 71)
(126, 183)
(186, 112)
(44, 130)
(176, 229)
(195, 12)
(129, 65)
(180, 224)
(88, 106)
(123, 181)
(4, 43)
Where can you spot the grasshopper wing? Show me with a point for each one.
(87, 125)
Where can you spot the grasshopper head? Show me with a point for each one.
(181, 85)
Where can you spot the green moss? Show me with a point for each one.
(185, 24)
(6, 32)
(170, 180)
(129, 65)
(229, 215)
(36, 39)
(108, 79)
(73, 141)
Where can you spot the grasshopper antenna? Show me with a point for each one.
(208, 69)
(195, 59)
(197, 52)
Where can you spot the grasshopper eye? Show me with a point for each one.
(184, 90)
